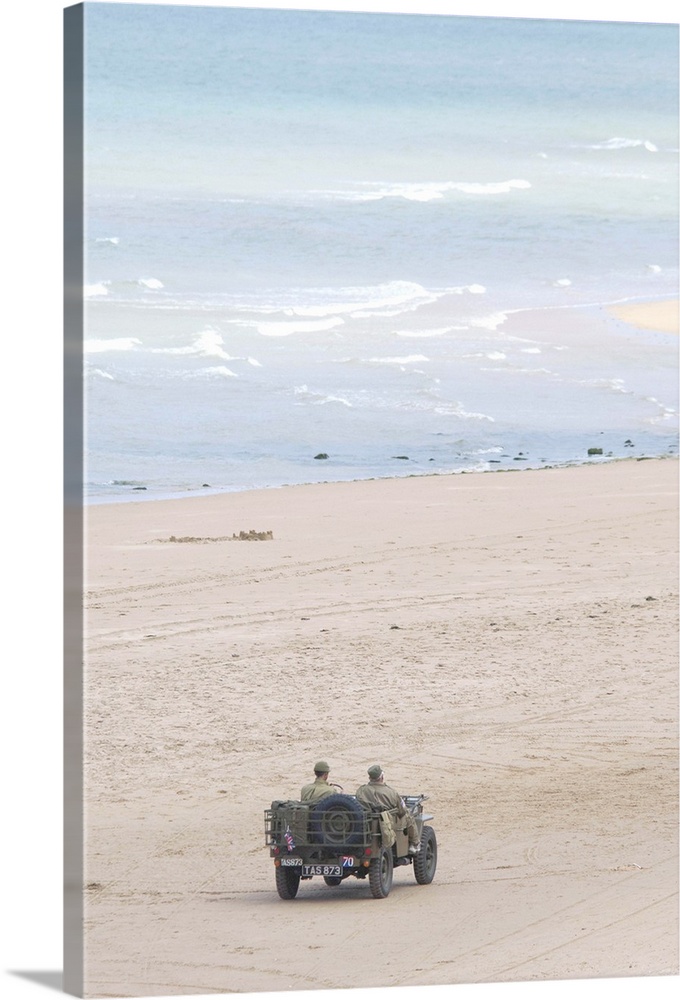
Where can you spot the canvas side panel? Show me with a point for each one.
(73, 499)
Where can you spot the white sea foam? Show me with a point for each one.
(100, 288)
(627, 175)
(208, 344)
(99, 346)
(384, 313)
(417, 298)
(530, 350)
(619, 142)
(489, 355)
(654, 268)
(113, 240)
(498, 187)
(516, 370)
(439, 332)
(457, 410)
(220, 370)
(666, 414)
(303, 393)
(491, 322)
(518, 340)
(409, 359)
(425, 191)
(359, 301)
(462, 289)
(286, 329)
(406, 307)
(153, 284)
(336, 399)
(562, 283)
(611, 384)
(388, 299)
(100, 373)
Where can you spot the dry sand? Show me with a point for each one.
(661, 316)
(505, 642)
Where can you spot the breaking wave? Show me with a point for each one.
(619, 142)
(423, 192)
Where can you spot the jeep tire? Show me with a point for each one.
(287, 882)
(425, 862)
(380, 873)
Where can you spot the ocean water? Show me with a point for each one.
(388, 239)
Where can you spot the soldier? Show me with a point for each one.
(376, 795)
(320, 787)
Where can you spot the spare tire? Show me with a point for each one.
(337, 821)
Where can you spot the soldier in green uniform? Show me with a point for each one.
(378, 796)
(320, 787)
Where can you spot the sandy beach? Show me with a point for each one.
(506, 643)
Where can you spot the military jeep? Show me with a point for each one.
(337, 836)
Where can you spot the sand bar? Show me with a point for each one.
(661, 316)
(505, 642)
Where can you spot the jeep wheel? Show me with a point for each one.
(287, 882)
(425, 862)
(337, 821)
(380, 873)
(332, 879)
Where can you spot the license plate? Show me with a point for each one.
(291, 861)
(321, 870)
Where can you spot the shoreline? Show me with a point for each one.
(94, 502)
